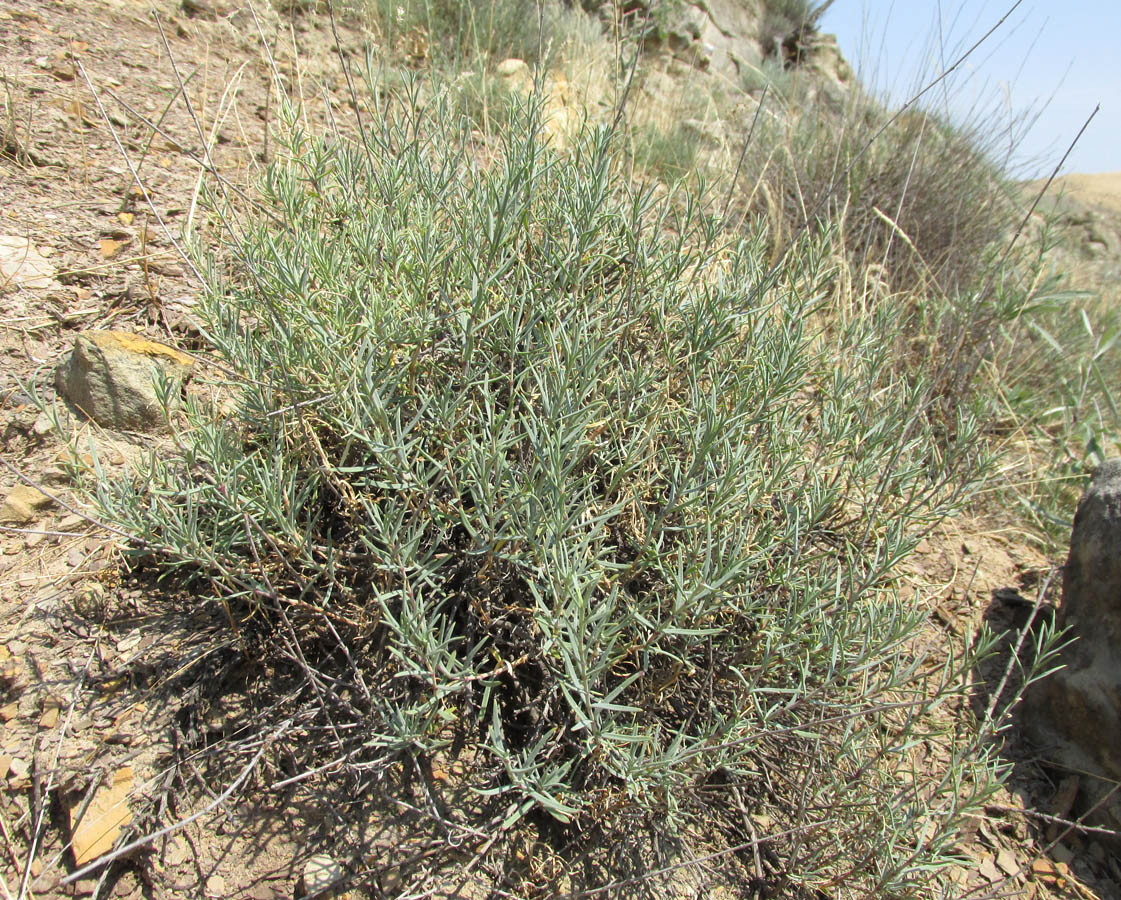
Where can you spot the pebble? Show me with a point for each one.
(23, 504)
(320, 872)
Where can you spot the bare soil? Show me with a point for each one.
(106, 676)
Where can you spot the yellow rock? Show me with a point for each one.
(111, 377)
(96, 832)
(134, 343)
(22, 505)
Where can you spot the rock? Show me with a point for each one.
(1074, 715)
(826, 61)
(321, 872)
(95, 833)
(111, 376)
(42, 427)
(516, 76)
(561, 116)
(13, 676)
(23, 504)
(511, 68)
(718, 35)
(22, 265)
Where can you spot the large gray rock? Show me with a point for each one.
(731, 29)
(1074, 716)
(720, 36)
(111, 377)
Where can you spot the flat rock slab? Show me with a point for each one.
(23, 504)
(95, 833)
(112, 378)
(22, 265)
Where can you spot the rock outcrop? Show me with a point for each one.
(721, 36)
(112, 377)
(1074, 716)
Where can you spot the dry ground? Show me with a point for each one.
(105, 676)
(1102, 189)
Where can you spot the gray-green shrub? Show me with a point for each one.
(575, 480)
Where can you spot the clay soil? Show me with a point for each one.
(107, 679)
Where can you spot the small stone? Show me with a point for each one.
(23, 504)
(22, 265)
(509, 68)
(91, 600)
(112, 377)
(13, 676)
(10, 711)
(53, 475)
(320, 873)
(1006, 860)
(216, 886)
(1044, 870)
(46, 885)
(1061, 853)
(43, 426)
(95, 833)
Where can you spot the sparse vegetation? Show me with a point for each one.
(785, 24)
(462, 35)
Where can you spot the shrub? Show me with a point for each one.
(537, 465)
(785, 23)
(924, 203)
(481, 32)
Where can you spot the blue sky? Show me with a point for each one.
(1052, 62)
